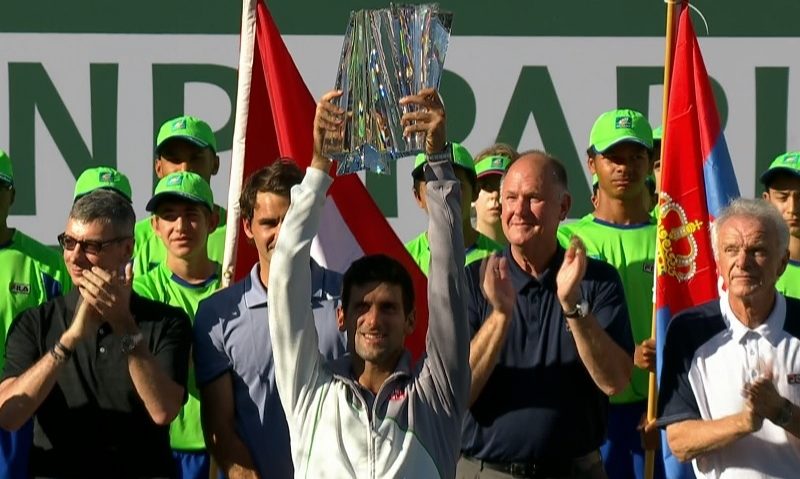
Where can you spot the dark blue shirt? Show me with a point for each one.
(540, 401)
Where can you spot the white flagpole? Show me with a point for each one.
(246, 51)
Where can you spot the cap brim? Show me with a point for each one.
(771, 173)
(191, 139)
(632, 139)
(152, 205)
(498, 172)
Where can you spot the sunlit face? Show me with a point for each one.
(622, 169)
(180, 155)
(487, 206)
(533, 202)
(376, 323)
(112, 257)
(184, 227)
(748, 257)
(268, 214)
(784, 194)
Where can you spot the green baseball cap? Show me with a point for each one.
(189, 128)
(657, 134)
(787, 163)
(183, 185)
(616, 126)
(461, 158)
(6, 172)
(102, 177)
(492, 165)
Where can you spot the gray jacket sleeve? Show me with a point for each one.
(447, 345)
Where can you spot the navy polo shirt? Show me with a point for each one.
(540, 403)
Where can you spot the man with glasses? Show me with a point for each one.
(31, 274)
(102, 370)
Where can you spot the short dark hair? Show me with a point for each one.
(277, 178)
(378, 268)
(107, 207)
(558, 168)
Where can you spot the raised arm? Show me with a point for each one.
(448, 333)
(291, 321)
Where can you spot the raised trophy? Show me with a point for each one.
(387, 54)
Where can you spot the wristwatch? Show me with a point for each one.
(130, 341)
(785, 414)
(445, 155)
(581, 310)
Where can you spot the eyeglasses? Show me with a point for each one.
(90, 247)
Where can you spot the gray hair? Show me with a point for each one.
(106, 207)
(758, 209)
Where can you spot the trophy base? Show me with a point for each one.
(368, 158)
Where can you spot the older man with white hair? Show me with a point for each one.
(730, 385)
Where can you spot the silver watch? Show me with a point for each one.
(130, 341)
(581, 310)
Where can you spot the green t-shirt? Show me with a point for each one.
(631, 249)
(149, 251)
(30, 274)
(789, 282)
(420, 250)
(160, 284)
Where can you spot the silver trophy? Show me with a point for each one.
(387, 54)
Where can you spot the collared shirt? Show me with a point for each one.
(93, 423)
(232, 336)
(540, 401)
(709, 356)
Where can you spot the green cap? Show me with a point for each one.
(616, 126)
(6, 172)
(787, 163)
(102, 177)
(187, 128)
(492, 165)
(183, 185)
(461, 158)
(657, 134)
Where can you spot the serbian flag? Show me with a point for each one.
(697, 183)
(274, 119)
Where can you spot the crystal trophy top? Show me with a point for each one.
(387, 54)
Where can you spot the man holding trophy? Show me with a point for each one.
(370, 414)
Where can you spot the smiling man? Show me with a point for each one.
(729, 392)
(370, 414)
(622, 232)
(102, 370)
(243, 420)
(183, 217)
(782, 183)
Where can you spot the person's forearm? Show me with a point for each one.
(21, 396)
(484, 350)
(230, 452)
(692, 438)
(162, 397)
(608, 364)
(793, 427)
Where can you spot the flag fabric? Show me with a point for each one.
(274, 119)
(697, 183)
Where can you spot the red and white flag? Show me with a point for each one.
(274, 119)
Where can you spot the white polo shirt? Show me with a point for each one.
(709, 356)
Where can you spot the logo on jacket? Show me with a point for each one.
(793, 378)
(398, 394)
(20, 288)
